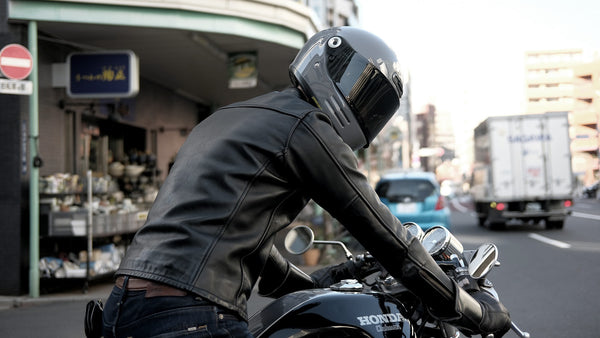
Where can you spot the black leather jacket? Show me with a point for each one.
(242, 175)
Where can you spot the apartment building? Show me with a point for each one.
(585, 121)
(550, 80)
(567, 81)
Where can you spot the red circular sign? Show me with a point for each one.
(15, 62)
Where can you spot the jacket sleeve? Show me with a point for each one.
(326, 168)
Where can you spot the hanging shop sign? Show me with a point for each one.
(243, 71)
(15, 62)
(102, 74)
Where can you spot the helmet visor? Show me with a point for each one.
(370, 94)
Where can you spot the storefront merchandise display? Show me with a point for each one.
(67, 225)
(105, 260)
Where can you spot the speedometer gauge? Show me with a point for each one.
(438, 241)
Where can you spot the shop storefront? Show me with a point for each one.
(101, 155)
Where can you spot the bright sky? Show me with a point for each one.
(467, 56)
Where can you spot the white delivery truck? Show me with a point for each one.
(523, 170)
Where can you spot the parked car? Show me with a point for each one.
(414, 197)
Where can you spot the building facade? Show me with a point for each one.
(585, 121)
(567, 81)
(188, 58)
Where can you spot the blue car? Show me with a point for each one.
(414, 197)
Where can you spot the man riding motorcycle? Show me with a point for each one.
(246, 171)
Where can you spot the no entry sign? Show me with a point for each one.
(15, 62)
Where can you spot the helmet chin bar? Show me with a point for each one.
(351, 136)
(344, 123)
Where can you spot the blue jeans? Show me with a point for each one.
(168, 316)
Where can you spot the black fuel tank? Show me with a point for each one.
(326, 313)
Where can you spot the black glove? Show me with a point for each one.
(467, 283)
(329, 275)
(496, 318)
(492, 318)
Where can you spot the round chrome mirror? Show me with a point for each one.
(483, 260)
(299, 239)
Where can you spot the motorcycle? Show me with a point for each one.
(374, 304)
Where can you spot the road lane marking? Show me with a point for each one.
(584, 215)
(550, 241)
(458, 206)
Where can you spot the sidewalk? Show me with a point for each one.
(99, 290)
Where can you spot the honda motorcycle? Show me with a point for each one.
(374, 304)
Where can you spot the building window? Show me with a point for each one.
(566, 86)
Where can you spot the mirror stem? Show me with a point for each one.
(346, 251)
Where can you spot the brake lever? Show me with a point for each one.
(518, 331)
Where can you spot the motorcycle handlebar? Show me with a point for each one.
(368, 265)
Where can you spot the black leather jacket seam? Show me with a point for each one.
(230, 219)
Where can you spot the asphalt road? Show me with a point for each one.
(549, 280)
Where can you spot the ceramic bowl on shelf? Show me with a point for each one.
(133, 171)
(116, 169)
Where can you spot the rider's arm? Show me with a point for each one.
(327, 169)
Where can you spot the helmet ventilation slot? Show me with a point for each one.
(334, 107)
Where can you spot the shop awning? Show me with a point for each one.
(182, 45)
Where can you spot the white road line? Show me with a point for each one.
(550, 241)
(458, 206)
(584, 215)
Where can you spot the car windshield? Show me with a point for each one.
(405, 190)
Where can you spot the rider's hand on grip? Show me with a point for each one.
(467, 283)
(480, 313)
(327, 276)
(496, 318)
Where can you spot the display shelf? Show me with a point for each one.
(88, 236)
(75, 223)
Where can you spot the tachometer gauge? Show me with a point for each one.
(440, 243)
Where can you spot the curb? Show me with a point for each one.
(96, 291)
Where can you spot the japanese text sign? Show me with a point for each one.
(102, 74)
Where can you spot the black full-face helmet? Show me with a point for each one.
(353, 77)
